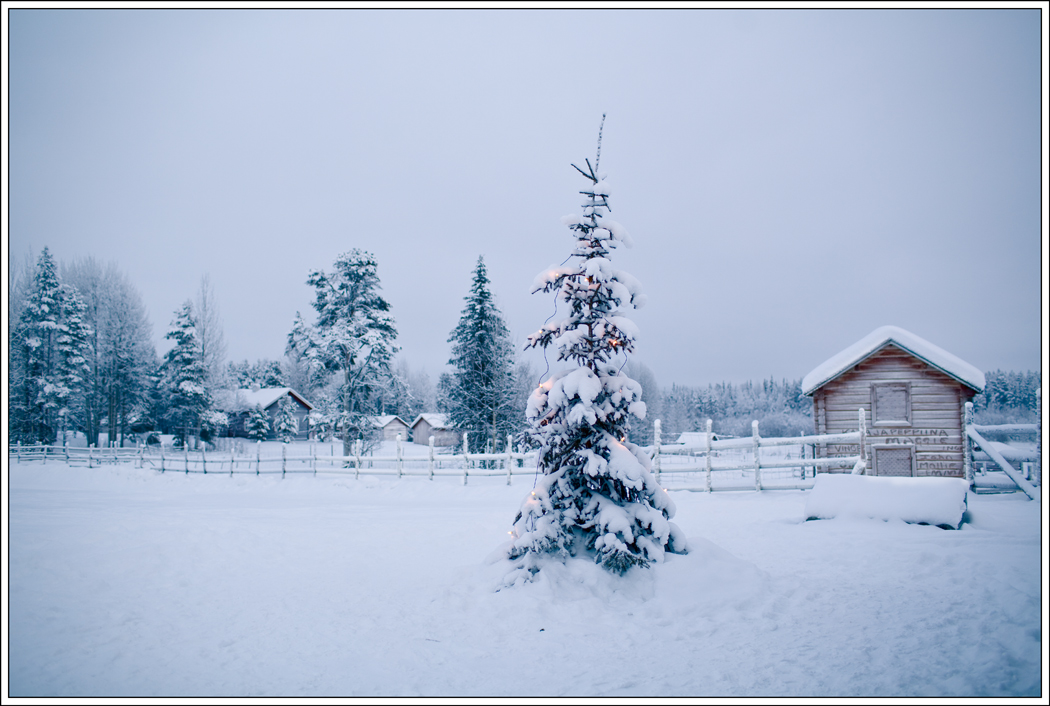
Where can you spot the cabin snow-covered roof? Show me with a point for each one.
(879, 338)
(436, 421)
(245, 399)
(382, 420)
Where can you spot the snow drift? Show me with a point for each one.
(933, 501)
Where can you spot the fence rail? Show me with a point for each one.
(739, 471)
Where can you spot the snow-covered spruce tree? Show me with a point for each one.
(73, 368)
(285, 425)
(257, 425)
(185, 373)
(597, 496)
(478, 396)
(354, 336)
(48, 365)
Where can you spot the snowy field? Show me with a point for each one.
(127, 582)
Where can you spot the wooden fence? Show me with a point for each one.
(1030, 474)
(701, 458)
(708, 460)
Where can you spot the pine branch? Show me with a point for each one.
(584, 173)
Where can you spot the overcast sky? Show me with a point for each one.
(792, 179)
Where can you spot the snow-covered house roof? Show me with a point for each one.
(879, 339)
(245, 399)
(436, 421)
(382, 420)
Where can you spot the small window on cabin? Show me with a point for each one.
(891, 403)
(894, 462)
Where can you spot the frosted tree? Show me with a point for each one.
(261, 373)
(185, 375)
(48, 357)
(285, 425)
(257, 425)
(354, 337)
(596, 496)
(478, 395)
(209, 334)
(121, 356)
(73, 368)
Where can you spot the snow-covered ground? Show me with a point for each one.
(124, 581)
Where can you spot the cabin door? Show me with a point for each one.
(893, 460)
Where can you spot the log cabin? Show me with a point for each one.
(238, 404)
(913, 394)
(426, 425)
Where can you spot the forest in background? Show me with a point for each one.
(98, 371)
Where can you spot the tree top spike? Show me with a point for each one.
(598, 158)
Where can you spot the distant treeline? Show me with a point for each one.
(782, 410)
(1008, 398)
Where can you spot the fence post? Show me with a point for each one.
(510, 457)
(284, 458)
(863, 427)
(431, 462)
(1037, 469)
(708, 475)
(313, 454)
(258, 453)
(204, 461)
(185, 456)
(967, 449)
(18, 452)
(466, 459)
(758, 467)
(399, 454)
(656, 448)
(232, 459)
(357, 459)
(802, 454)
(65, 450)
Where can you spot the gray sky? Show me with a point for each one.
(792, 179)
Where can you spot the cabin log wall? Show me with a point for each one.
(935, 429)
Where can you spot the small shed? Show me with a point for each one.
(238, 403)
(390, 425)
(436, 425)
(913, 394)
(697, 438)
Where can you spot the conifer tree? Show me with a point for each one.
(73, 368)
(354, 337)
(185, 374)
(285, 425)
(257, 425)
(596, 496)
(48, 358)
(479, 394)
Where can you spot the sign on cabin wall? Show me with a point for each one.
(938, 452)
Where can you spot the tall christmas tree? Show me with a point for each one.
(48, 362)
(185, 373)
(479, 394)
(597, 496)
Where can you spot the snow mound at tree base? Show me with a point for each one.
(931, 501)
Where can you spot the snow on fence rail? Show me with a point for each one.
(737, 464)
(1003, 454)
(734, 475)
